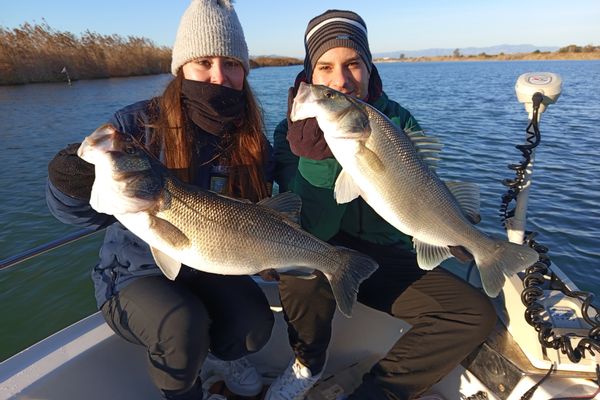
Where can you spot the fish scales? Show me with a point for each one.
(420, 186)
(217, 219)
(187, 225)
(381, 164)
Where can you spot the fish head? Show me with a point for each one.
(339, 116)
(109, 147)
(128, 179)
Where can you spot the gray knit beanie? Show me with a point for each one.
(335, 28)
(209, 28)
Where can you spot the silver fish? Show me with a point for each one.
(388, 168)
(183, 224)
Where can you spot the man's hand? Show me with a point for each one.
(461, 254)
(269, 275)
(305, 137)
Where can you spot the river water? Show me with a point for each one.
(470, 106)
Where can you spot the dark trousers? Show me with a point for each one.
(179, 321)
(449, 319)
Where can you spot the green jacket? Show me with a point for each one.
(314, 181)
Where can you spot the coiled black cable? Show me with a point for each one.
(533, 139)
(537, 275)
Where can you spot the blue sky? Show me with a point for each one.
(277, 26)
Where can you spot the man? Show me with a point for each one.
(449, 318)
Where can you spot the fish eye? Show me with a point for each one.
(329, 94)
(129, 149)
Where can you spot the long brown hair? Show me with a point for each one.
(244, 153)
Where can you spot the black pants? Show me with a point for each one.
(179, 321)
(449, 319)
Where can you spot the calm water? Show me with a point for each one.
(471, 107)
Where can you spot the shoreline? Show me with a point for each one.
(37, 53)
(541, 56)
(265, 62)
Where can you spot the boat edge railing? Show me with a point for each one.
(44, 248)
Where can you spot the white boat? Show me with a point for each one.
(88, 361)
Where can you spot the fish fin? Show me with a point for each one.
(300, 274)
(506, 259)
(345, 189)
(369, 158)
(430, 256)
(168, 232)
(171, 235)
(467, 196)
(169, 267)
(427, 147)
(287, 203)
(354, 268)
(431, 162)
(237, 199)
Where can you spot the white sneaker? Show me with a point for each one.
(239, 376)
(293, 384)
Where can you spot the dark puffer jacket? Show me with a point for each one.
(123, 256)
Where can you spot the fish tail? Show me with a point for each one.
(505, 259)
(354, 268)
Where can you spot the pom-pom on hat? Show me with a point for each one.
(209, 28)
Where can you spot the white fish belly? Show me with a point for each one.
(224, 254)
(139, 224)
(406, 197)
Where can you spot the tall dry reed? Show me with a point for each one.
(38, 53)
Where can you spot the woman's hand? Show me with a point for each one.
(70, 174)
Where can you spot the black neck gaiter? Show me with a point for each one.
(215, 109)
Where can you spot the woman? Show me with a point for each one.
(207, 128)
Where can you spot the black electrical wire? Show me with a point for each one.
(539, 274)
(533, 139)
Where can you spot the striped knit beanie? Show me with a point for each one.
(335, 28)
(209, 28)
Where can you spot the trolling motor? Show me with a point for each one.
(554, 328)
(566, 323)
(547, 84)
(536, 91)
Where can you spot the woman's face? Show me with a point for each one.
(218, 70)
(342, 69)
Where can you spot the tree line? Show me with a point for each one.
(572, 48)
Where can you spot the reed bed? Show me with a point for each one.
(265, 61)
(38, 53)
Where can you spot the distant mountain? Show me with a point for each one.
(267, 55)
(466, 51)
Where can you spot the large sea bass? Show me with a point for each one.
(186, 225)
(388, 168)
